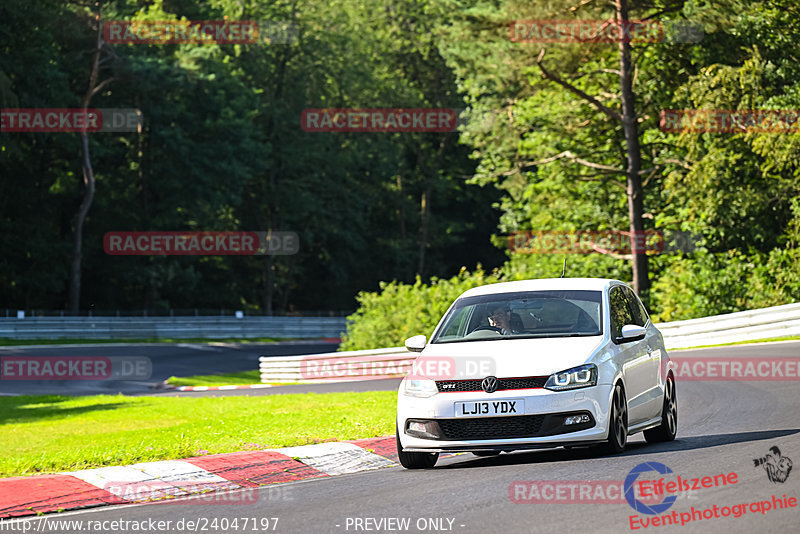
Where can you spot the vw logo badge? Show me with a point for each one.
(489, 384)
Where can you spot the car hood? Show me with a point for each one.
(504, 358)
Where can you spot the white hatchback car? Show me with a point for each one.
(536, 364)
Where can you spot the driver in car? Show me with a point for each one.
(500, 318)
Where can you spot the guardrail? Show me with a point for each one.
(778, 321)
(170, 327)
(338, 366)
(752, 325)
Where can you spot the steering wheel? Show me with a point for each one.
(488, 327)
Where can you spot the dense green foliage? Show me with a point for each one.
(222, 149)
(736, 194)
(398, 311)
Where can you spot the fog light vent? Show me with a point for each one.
(416, 427)
(423, 429)
(576, 419)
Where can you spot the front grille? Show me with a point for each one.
(527, 382)
(520, 426)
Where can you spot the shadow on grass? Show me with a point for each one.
(222, 379)
(24, 409)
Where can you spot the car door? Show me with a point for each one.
(633, 357)
(652, 395)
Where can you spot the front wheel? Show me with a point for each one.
(618, 423)
(415, 460)
(669, 416)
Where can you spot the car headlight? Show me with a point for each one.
(420, 388)
(582, 376)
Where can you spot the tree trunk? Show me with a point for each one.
(88, 181)
(273, 175)
(430, 174)
(401, 212)
(267, 281)
(425, 214)
(80, 217)
(641, 280)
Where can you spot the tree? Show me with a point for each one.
(101, 53)
(584, 117)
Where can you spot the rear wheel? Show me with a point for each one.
(618, 423)
(669, 416)
(415, 460)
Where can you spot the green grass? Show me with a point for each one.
(45, 434)
(14, 342)
(229, 379)
(768, 340)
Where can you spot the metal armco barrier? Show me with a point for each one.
(170, 327)
(338, 366)
(778, 321)
(751, 325)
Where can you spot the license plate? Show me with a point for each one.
(490, 408)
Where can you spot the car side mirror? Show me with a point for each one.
(416, 343)
(631, 332)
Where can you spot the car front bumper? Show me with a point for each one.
(539, 426)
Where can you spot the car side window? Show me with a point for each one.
(620, 311)
(637, 309)
(455, 328)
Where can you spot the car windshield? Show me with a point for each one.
(527, 314)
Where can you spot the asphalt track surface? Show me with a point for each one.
(723, 427)
(180, 359)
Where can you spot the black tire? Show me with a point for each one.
(668, 428)
(618, 423)
(415, 460)
(484, 454)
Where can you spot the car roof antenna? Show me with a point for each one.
(564, 270)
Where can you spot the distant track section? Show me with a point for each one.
(186, 327)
